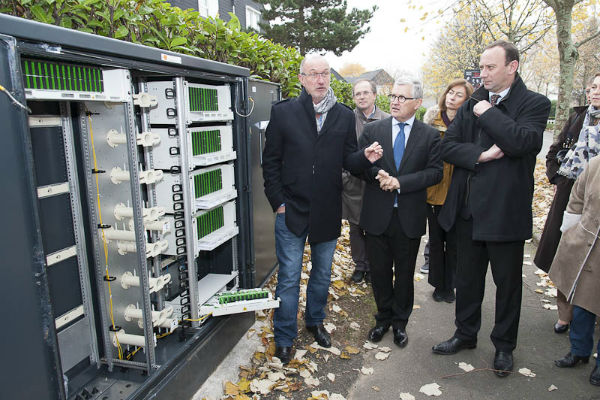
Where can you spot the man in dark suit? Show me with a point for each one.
(493, 143)
(394, 210)
(309, 140)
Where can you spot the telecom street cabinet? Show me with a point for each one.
(128, 258)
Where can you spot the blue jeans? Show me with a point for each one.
(581, 333)
(290, 249)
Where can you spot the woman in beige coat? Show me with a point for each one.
(576, 267)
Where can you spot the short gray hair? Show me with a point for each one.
(415, 83)
(309, 57)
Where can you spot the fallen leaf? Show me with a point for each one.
(366, 371)
(262, 386)
(310, 381)
(527, 263)
(551, 292)
(336, 308)
(465, 367)
(300, 354)
(351, 350)
(276, 376)
(244, 385)
(540, 291)
(339, 284)
(344, 356)
(416, 307)
(305, 373)
(320, 394)
(385, 349)
(329, 327)
(526, 372)
(336, 396)
(431, 389)
(406, 396)
(419, 277)
(375, 388)
(382, 356)
(552, 388)
(370, 346)
(355, 326)
(331, 377)
(231, 389)
(540, 272)
(550, 306)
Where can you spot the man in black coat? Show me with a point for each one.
(394, 210)
(308, 141)
(493, 143)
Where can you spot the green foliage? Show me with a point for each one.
(315, 24)
(157, 24)
(383, 102)
(420, 113)
(343, 92)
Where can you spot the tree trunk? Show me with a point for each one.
(568, 57)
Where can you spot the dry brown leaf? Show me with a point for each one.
(344, 356)
(244, 385)
(351, 350)
(231, 389)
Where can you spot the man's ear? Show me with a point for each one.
(513, 66)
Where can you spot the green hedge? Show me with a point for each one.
(158, 24)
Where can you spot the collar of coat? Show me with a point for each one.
(517, 90)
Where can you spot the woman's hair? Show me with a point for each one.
(457, 82)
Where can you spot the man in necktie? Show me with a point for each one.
(492, 143)
(394, 209)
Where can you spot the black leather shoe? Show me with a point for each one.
(595, 376)
(503, 363)
(450, 297)
(376, 333)
(560, 328)
(400, 337)
(437, 296)
(569, 361)
(453, 345)
(321, 335)
(358, 276)
(284, 354)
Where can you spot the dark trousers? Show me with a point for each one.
(392, 257)
(581, 333)
(442, 252)
(506, 259)
(358, 247)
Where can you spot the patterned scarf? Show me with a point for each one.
(586, 147)
(325, 105)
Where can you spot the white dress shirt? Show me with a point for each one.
(502, 94)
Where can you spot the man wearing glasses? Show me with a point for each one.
(309, 140)
(364, 94)
(394, 210)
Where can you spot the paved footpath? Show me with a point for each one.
(406, 370)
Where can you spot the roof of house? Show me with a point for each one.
(370, 76)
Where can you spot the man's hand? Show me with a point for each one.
(281, 210)
(387, 182)
(481, 107)
(493, 153)
(374, 152)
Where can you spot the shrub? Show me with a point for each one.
(158, 24)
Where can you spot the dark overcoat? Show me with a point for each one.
(303, 168)
(551, 233)
(420, 168)
(497, 194)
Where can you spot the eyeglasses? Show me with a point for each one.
(315, 75)
(399, 99)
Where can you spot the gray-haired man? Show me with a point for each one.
(364, 93)
(394, 210)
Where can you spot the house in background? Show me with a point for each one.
(337, 75)
(248, 12)
(382, 79)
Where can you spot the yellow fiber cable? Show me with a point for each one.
(199, 319)
(112, 318)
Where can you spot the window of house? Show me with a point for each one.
(252, 18)
(208, 8)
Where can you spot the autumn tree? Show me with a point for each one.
(352, 69)
(315, 25)
(457, 48)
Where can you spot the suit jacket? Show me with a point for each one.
(497, 194)
(303, 168)
(353, 186)
(420, 168)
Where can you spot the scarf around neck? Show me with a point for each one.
(587, 146)
(326, 104)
